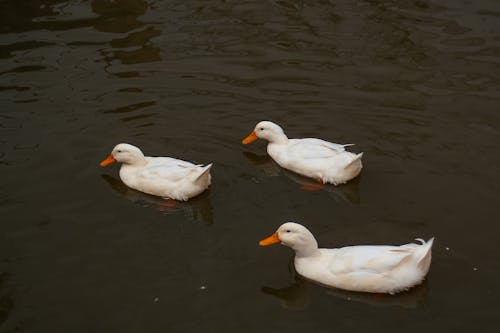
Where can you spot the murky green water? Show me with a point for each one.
(414, 84)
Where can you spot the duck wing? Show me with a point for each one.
(369, 259)
(314, 148)
(330, 145)
(166, 168)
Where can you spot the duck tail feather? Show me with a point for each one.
(204, 172)
(355, 159)
(424, 253)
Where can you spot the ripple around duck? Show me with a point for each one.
(7, 51)
(16, 88)
(198, 208)
(131, 107)
(22, 69)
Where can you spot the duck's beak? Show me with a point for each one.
(110, 159)
(273, 239)
(251, 138)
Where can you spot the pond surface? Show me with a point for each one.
(414, 84)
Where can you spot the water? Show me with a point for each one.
(414, 84)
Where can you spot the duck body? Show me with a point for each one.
(315, 158)
(365, 268)
(318, 159)
(161, 176)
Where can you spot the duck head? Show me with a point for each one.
(266, 130)
(295, 236)
(124, 153)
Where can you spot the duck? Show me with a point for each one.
(383, 269)
(166, 177)
(322, 160)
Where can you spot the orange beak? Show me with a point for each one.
(273, 239)
(251, 138)
(110, 159)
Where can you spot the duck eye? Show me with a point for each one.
(262, 128)
(288, 230)
(119, 151)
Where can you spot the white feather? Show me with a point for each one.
(366, 268)
(162, 176)
(315, 158)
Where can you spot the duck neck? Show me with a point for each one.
(308, 248)
(279, 138)
(136, 160)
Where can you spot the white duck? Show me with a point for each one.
(162, 176)
(325, 161)
(366, 268)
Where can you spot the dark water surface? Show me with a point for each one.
(414, 84)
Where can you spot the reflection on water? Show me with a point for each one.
(118, 15)
(121, 16)
(197, 208)
(348, 192)
(263, 162)
(298, 295)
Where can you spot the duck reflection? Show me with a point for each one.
(298, 296)
(346, 192)
(197, 209)
(121, 16)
